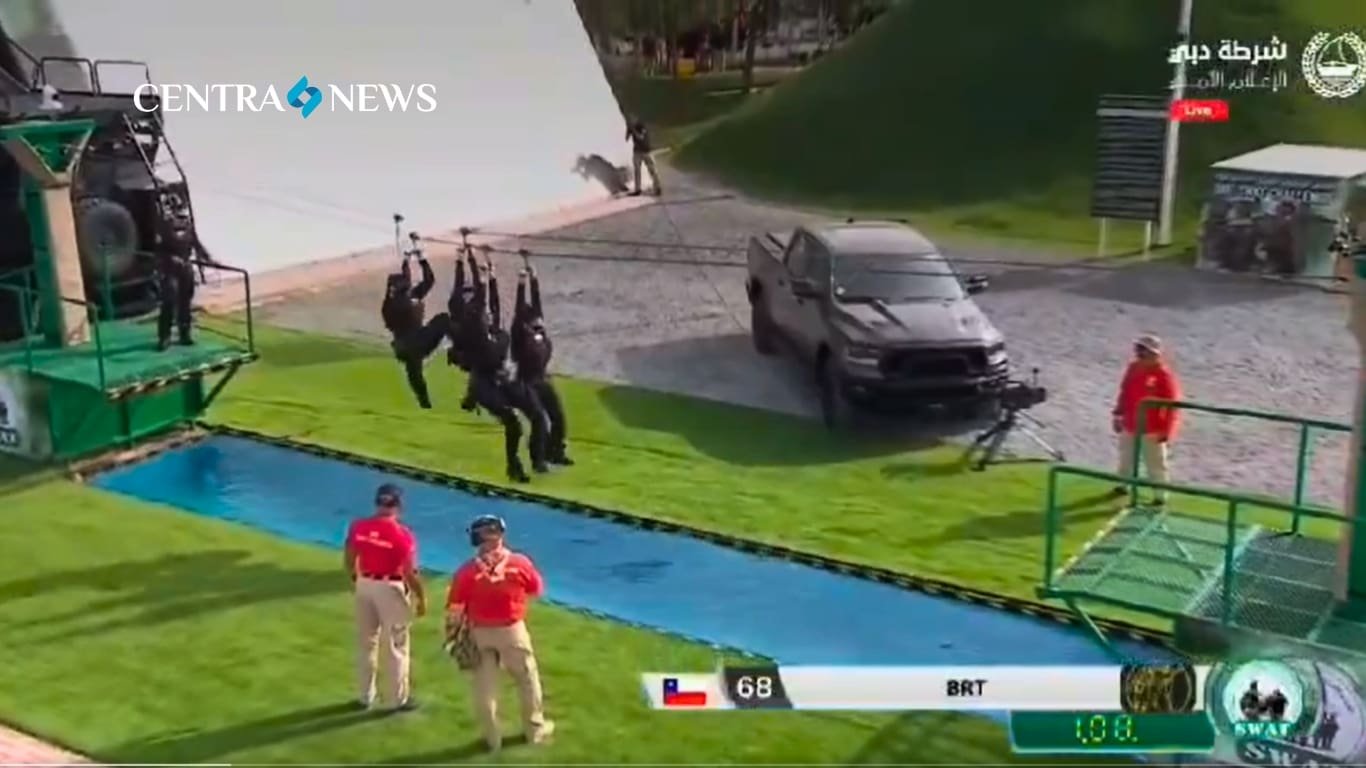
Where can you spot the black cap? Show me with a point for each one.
(388, 495)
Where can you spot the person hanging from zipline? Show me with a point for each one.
(403, 312)
(485, 347)
(531, 350)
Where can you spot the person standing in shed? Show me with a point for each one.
(380, 556)
(489, 597)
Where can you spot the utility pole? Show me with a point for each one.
(1171, 162)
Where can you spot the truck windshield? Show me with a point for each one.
(895, 279)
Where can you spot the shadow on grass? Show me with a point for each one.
(459, 754)
(290, 350)
(1023, 524)
(17, 475)
(161, 590)
(750, 437)
(199, 746)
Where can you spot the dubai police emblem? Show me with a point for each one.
(1335, 66)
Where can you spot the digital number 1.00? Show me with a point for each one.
(1116, 732)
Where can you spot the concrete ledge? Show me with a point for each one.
(229, 294)
(18, 748)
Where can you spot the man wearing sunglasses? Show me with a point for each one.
(380, 556)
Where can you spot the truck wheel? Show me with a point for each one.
(836, 410)
(761, 329)
(107, 236)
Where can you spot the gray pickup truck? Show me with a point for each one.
(878, 314)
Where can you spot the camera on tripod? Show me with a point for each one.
(1019, 395)
(1016, 397)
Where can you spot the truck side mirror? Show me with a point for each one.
(975, 284)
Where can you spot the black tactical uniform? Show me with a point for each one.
(485, 347)
(175, 274)
(403, 312)
(531, 350)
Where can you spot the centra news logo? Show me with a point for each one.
(304, 96)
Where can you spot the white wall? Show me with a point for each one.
(520, 96)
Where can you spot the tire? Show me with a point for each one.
(107, 235)
(761, 329)
(836, 410)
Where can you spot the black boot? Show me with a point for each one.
(539, 467)
(186, 340)
(163, 344)
(516, 474)
(562, 459)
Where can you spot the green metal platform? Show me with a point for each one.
(1159, 559)
(125, 358)
(66, 402)
(1222, 567)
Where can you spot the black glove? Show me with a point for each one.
(469, 405)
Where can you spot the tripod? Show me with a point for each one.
(993, 439)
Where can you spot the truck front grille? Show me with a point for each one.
(926, 363)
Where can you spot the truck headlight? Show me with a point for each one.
(996, 353)
(862, 353)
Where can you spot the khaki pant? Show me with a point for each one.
(643, 158)
(510, 648)
(1154, 458)
(383, 611)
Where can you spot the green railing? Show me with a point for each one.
(21, 284)
(1235, 506)
(28, 300)
(1304, 448)
(246, 290)
(22, 294)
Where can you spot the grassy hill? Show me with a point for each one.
(978, 114)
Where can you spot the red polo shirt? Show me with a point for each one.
(1149, 381)
(384, 548)
(494, 599)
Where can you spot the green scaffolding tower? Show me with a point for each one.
(80, 381)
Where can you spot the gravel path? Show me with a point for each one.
(684, 328)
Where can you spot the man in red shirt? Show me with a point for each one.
(380, 556)
(1147, 378)
(490, 593)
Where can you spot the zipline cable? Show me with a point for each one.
(357, 218)
(1062, 266)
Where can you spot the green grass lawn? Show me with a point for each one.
(140, 634)
(678, 109)
(150, 635)
(886, 500)
(992, 131)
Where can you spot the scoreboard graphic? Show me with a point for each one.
(1252, 712)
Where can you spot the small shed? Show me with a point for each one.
(1286, 209)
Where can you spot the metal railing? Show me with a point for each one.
(1235, 505)
(108, 286)
(1304, 448)
(27, 298)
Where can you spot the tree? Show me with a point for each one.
(757, 15)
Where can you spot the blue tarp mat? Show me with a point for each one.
(793, 613)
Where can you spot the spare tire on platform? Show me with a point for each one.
(107, 235)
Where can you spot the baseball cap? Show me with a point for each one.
(388, 495)
(1149, 342)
